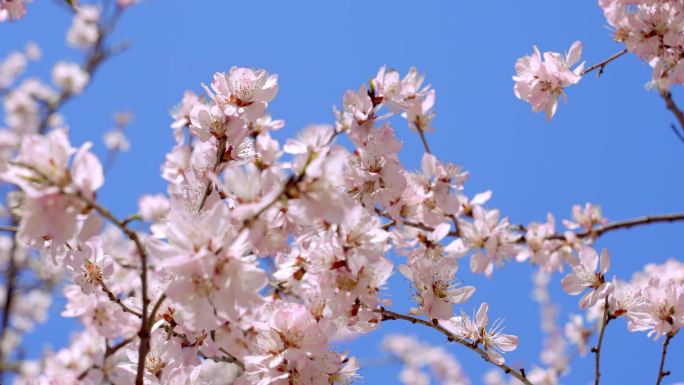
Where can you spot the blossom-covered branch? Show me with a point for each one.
(88, 32)
(322, 223)
(519, 374)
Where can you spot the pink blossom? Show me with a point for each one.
(84, 30)
(212, 277)
(542, 82)
(70, 77)
(181, 114)
(292, 348)
(176, 162)
(436, 292)
(542, 248)
(90, 265)
(626, 299)
(116, 140)
(578, 333)
(585, 217)
(374, 173)
(162, 363)
(494, 240)
(212, 120)
(663, 306)
(416, 355)
(493, 340)
(153, 208)
(15, 64)
(244, 86)
(584, 275)
(12, 9)
(96, 311)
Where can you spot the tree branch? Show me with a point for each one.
(597, 350)
(156, 307)
(662, 373)
(185, 341)
(388, 315)
(680, 135)
(220, 150)
(95, 58)
(118, 301)
(145, 324)
(109, 350)
(422, 139)
(10, 280)
(626, 224)
(679, 114)
(416, 225)
(602, 65)
(9, 228)
(594, 233)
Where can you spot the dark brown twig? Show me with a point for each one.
(597, 350)
(679, 114)
(118, 301)
(626, 224)
(388, 315)
(220, 150)
(662, 373)
(424, 140)
(9, 228)
(602, 65)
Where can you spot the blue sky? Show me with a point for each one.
(610, 144)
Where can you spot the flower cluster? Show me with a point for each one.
(54, 187)
(654, 31)
(12, 9)
(653, 300)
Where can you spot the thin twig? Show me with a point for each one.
(594, 233)
(679, 114)
(109, 350)
(145, 324)
(95, 58)
(680, 135)
(415, 225)
(232, 359)
(422, 139)
(156, 307)
(131, 218)
(186, 342)
(118, 301)
(597, 350)
(10, 281)
(626, 224)
(9, 228)
(602, 65)
(113, 349)
(388, 315)
(662, 373)
(618, 225)
(220, 150)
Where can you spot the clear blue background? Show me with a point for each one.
(610, 144)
